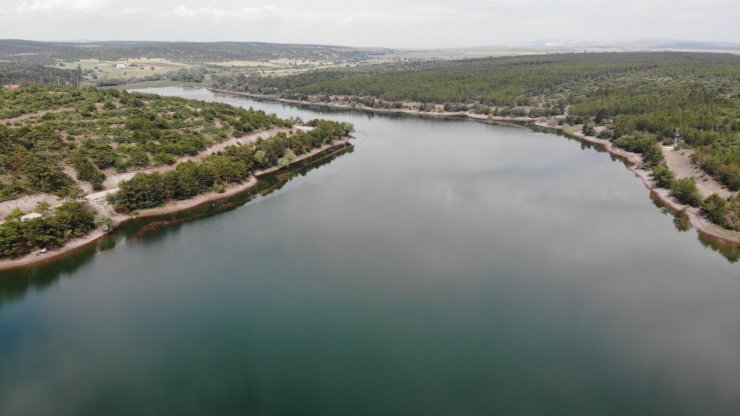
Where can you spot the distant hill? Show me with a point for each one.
(565, 45)
(702, 46)
(180, 51)
(15, 72)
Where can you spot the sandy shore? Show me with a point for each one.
(407, 111)
(70, 247)
(633, 161)
(170, 208)
(679, 161)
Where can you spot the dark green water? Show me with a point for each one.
(439, 268)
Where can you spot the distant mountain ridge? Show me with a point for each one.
(705, 46)
(568, 45)
(181, 51)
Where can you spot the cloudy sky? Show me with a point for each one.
(391, 23)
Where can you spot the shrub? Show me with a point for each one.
(732, 214)
(685, 190)
(663, 176)
(715, 208)
(643, 144)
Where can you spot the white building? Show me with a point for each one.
(120, 66)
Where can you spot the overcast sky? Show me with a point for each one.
(391, 23)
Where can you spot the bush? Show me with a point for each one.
(663, 176)
(86, 172)
(588, 129)
(686, 192)
(651, 153)
(732, 214)
(605, 134)
(714, 208)
(232, 165)
(70, 220)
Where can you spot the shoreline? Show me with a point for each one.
(632, 161)
(170, 207)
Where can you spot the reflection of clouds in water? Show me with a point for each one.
(436, 254)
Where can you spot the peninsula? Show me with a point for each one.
(76, 162)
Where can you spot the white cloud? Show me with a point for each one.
(394, 23)
(184, 12)
(71, 8)
(259, 12)
(133, 10)
(66, 6)
(245, 13)
(398, 16)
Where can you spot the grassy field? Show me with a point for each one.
(272, 67)
(135, 68)
(95, 71)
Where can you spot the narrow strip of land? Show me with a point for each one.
(99, 202)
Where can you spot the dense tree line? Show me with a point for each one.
(232, 165)
(641, 99)
(644, 145)
(187, 75)
(721, 211)
(721, 160)
(654, 93)
(22, 72)
(494, 81)
(70, 220)
(181, 51)
(725, 212)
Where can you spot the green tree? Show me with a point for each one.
(685, 190)
(715, 208)
(103, 221)
(732, 214)
(15, 214)
(663, 176)
(43, 208)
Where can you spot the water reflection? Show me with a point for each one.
(682, 224)
(15, 284)
(445, 267)
(728, 251)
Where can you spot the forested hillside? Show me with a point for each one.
(637, 100)
(181, 51)
(653, 93)
(233, 165)
(45, 128)
(17, 72)
(53, 138)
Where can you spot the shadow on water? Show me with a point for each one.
(729, 251)
(16, 284)
(681, 221)
(585, 144)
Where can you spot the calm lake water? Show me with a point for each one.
(441, 267)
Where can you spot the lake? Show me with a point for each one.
(440, 267)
